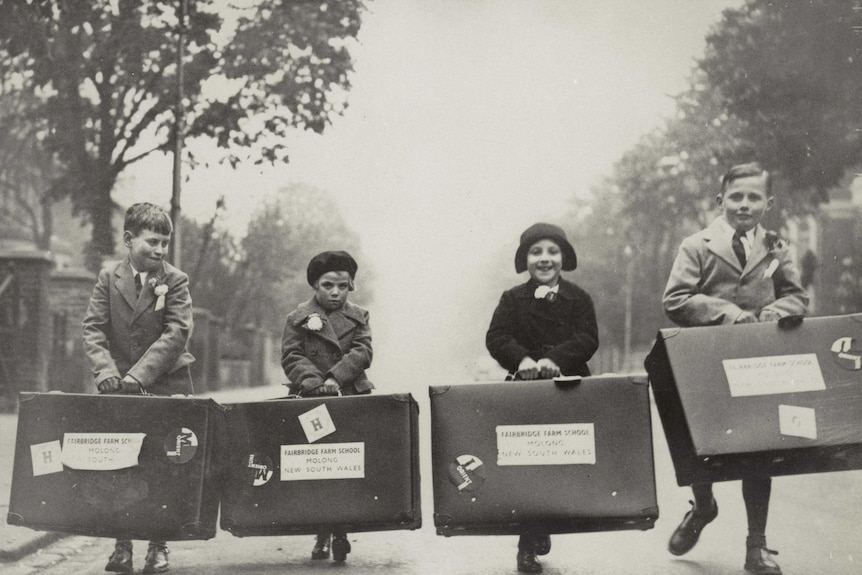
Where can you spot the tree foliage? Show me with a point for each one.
(792, 72)
(259, 279)
(104, 73)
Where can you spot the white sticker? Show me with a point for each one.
(552, 444)
(324, 461)
(773, 375)
(316, 423)
(47, 458)
(101, 451)
(797, 421)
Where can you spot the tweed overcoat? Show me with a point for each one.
(125, 334)
(564, 330)
(708, 286)
(341, 348)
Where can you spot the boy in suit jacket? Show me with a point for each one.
(325, 350)
(734, 271)
(136, 332)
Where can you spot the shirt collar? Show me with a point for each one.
(728, 230)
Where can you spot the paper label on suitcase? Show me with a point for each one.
(324, 461)
(46, 457)
(548, 444)
(773, 374)
(317, 423)
(101, 451)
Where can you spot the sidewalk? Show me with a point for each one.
(17, 542)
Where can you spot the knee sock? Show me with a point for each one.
(755, 493)
(702, 496)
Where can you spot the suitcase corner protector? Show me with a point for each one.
(438, 389)
(669, 332)
(14, 518)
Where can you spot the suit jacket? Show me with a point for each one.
(341, 348)
(124, 334)
(564, 330)
(707, 286)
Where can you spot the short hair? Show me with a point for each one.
(751, 169)
(146, 216)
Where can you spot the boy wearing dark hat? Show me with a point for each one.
(326, 348)
(541, 329)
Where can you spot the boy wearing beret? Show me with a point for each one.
(326, 348)
(734, 272)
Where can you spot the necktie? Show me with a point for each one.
(138, 284)
(738, 248)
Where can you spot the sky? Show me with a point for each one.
(468, 121)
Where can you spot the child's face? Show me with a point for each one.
(147, 249)
(744, 202)
(331, 290)
(545, 261)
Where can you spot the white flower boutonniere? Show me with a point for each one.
(160, 290)
(314, 322)
(776, 247)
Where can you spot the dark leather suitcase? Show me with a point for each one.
(296, 465)
(765, 398)
(119, 466)
(553, 457)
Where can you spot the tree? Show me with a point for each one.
(792, 72)
(26, 169)
(257, 280)
(104, 72)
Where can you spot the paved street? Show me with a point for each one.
(813, 523)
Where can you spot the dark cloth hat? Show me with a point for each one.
(542, 231)
(330, 262)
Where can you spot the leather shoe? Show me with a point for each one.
(120, 560)
(686, 535)
(157, 559)
(758, 560)
(340, 548)
(321, 547)
(527, 562)
(543, 544)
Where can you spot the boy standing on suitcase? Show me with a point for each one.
(136, 332)
(325, 350)
(734, 271)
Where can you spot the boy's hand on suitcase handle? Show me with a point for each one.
(117, 385)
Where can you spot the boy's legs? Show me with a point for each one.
(702, 513)
(758, 559)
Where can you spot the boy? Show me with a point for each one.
(326, 348)
(734, 272)
(136, 332)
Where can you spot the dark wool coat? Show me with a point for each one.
(124, 334)
(341, 348)
(564, 330)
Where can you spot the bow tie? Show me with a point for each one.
(546, 293)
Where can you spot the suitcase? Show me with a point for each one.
(122, 466)
(296, 465)
(539, 455)
(768, 398)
